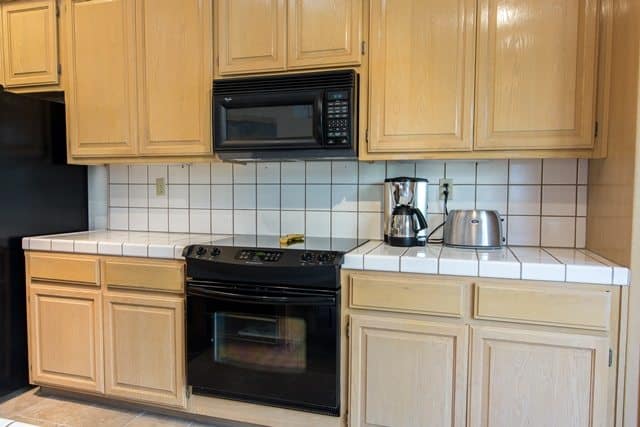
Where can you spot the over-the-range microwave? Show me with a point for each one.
(287, 117)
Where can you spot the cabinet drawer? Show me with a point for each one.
(438, 297)
(572, 308)
(60, 268)
(144, 274)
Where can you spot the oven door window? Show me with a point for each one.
(269, 121)
(267, 343)
(277, 347)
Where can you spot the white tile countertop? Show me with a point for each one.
(514, 262)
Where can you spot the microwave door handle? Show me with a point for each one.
(320, 115)
(257, 299)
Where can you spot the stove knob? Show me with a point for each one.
(201, 251)
(307, 257)
(215, 251)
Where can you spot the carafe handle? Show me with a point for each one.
(422, 221)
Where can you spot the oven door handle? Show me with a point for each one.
(258, 299)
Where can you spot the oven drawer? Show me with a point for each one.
(156, 275)
(72, 269)
(550, 305)
(432, 296)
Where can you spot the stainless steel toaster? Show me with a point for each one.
(473, 228)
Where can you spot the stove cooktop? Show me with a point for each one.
(261, 259)
(336, 244)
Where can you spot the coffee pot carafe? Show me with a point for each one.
(405, 202)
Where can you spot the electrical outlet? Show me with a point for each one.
(446, 183)
(161, 187)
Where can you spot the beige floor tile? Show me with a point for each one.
(150, 420)
(19, 403)
(76, 414)
(35, 422)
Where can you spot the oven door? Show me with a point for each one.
(278, 346)
(269, 121)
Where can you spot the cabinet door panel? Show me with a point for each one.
(144, 346)
(407, 373)
(65, 328)
(324, 33)
(30, 40)
(101, 95)
(535, 378)
(536, 71)
(251, 36)
(175, 74)
(422, 65)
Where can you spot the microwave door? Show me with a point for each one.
(269, 121)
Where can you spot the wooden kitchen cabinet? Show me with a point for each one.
(251, 36)
(407, 372)
(422, 62)
(536, 74)
(30, 43)
(144, 348)
(101, 101)
(65, 335)
(324, 33)
(522, 377)
(174, 61)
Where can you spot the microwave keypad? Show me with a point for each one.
(338, 122)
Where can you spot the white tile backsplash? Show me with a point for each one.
(345, 198)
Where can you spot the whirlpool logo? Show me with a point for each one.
(228, 99)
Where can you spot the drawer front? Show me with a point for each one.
(66, 269)
(572, 308)
(437, 297)
(144, 274)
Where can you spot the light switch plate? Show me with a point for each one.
(161, 186)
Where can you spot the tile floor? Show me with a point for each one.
(43, 409)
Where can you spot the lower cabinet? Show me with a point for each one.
(117, 329)
(407, 373)
(144, 348)
(65, 332)
(537, 378)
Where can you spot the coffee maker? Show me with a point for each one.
(405, 206)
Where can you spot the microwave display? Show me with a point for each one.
(276, 122)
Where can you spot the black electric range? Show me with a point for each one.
(263, 321)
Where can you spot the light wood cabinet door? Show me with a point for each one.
(421, 75)
(101, 93)
(144, 348)
(65, 333)
(535, 76)
(537, 378)
(251, 36)
(30, 43)
(174, 76)
(324, 33)
(407, 373)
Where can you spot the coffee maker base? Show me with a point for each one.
(405, 242)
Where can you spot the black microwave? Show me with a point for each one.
(287, 117)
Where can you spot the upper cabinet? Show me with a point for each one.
(421, 75)
(257, 36)
(536, 74)
(251, 36)
(174, 76)
(324, 33)
(29, 43)
(139, 79)
(501, 77)
(101, 94)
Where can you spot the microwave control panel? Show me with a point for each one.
(338, 118)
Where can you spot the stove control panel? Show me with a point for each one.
(318, 257)
(258, 255)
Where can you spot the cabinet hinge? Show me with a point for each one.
(610, 357)
(189, 391)
(595, 131)
(59, 69)
(363, 47)
(366, 135)
(348, 328)
(57, 10)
